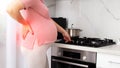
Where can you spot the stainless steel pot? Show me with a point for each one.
(74, 32)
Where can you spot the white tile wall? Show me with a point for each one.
(97, 18)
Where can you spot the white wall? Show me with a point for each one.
(97, 18)
(8, 58)
(51, 4)
(3, 33)
(2, 41)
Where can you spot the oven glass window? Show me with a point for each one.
(71, 54)
(60, 62)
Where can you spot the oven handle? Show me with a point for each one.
(70, 63)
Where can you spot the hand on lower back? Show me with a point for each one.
(25, 30)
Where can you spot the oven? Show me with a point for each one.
(68, 58)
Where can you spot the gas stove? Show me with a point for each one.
(87, 41)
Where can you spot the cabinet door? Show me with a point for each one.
(108, 61)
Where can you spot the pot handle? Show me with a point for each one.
(71, 25)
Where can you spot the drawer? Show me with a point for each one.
(108, 61)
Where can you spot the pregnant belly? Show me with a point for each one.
(47, 32)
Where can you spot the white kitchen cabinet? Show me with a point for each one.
(108, 61)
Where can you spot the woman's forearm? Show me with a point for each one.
(14, 11)
(59, 28)
(64, 32)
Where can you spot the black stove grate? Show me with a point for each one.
(90, 42)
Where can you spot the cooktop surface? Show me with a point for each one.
(87, 41)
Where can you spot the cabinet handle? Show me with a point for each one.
(114, 62)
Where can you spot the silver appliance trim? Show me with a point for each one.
(70, 63)
(86, 56)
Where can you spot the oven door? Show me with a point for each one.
(63, 62)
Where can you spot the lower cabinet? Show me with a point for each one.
(107, 61)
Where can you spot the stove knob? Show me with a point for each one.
(84, 58)
(93, 42)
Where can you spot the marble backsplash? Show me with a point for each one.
(97, 18)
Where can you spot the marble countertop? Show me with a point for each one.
(112, 49)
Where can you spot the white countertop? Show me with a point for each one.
(112, 49)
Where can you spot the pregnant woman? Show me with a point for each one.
(38, 30)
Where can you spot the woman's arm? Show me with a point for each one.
(64, 32)
(13, 10)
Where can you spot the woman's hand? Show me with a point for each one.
(25, 30)
(64, 32)
(66, 36)
(13, 9)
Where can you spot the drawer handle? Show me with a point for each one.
(114, 62)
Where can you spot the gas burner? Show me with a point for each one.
(91, 42)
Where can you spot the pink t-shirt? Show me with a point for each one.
(36, 13)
